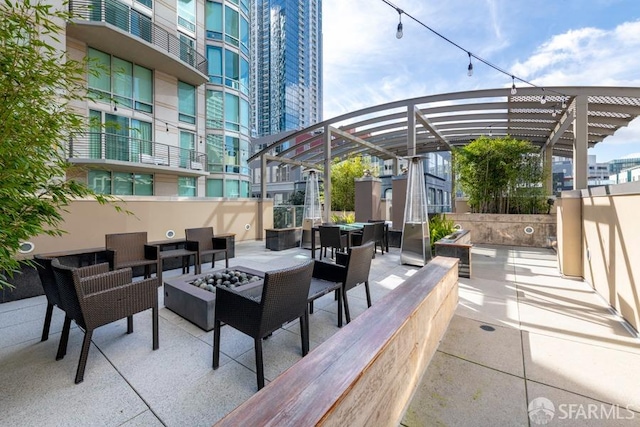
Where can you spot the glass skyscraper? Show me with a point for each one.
(286, 65)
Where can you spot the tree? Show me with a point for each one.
(343, 187)
(501, 175)
(38, 84)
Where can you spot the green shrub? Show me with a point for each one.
(439, 227)
(345, 218)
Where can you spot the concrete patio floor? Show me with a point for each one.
(521, 334)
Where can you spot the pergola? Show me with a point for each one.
(561, 121)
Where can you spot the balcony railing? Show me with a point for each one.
(109, 146)
(122, 16)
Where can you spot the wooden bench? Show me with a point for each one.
(367, 372)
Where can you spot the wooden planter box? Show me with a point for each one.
(457, 245)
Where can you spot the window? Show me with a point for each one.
(100, 181)
(215, 109)
(140, 25)
(187, 146)
(231, 26)
(232, 188)
(213, 23)
(186, 103)
(232, 158)
(244, 117)
(120, 183)
(187, 49)
(187, 14)
(244, 36)
(214, 188)
(215, 153)
(125, 83)
(231, 112)
(244, 76)
(214, 59)
(244, 188)
(231, 69)
(186, 186)
(148, 3)
(142, 89)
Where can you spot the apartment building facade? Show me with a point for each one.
(169, 107)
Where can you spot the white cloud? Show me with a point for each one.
(586, 56)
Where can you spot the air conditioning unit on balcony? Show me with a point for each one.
(196, 166)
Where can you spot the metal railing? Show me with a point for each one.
(122, 16)
(110, 146)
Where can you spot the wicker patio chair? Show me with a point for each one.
(380, 234)
(93, 296)
(48, 281)
(357, 264)
(131, 250)
(327, 277)
(204, 242)
(367, 235)
(331, 237)
(261, 311)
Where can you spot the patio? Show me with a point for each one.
(520, 332)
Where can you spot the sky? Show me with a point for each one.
(547, 42)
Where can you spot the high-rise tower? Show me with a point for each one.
(287, 65)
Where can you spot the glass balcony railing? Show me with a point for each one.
(109, 146)
(287, 216)
(137, 24)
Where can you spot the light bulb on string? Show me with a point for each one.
(470, 67)
(399, 32)
(514, 90)
(543, 100)
(564, 103)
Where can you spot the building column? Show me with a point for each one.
(263, 176)
(580, 143)
(327, 173)
(547, 162)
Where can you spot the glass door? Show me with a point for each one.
(117, 137)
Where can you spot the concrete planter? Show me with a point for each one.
(500, 229)
(198, 305)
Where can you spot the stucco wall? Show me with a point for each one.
(86, 221)
(610, 249)
(496, 229)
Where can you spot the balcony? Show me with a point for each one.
(135, 155)
(115, 28)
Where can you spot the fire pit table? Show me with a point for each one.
(193, 296)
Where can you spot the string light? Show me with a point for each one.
(543, 100)
(399, 31)
(564, 103)
(167, 126)
(470, 67)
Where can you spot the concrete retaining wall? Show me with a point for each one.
(498, 229)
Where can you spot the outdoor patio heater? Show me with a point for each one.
(312, 213)
(415, 246)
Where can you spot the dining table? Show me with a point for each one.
(347, 229)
